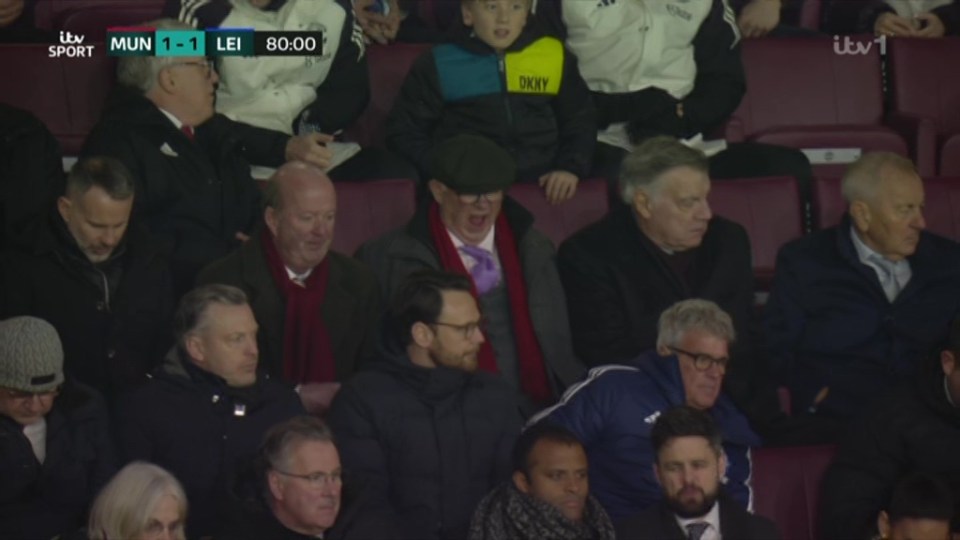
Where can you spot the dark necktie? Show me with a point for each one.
(695, 530)
(187, 130)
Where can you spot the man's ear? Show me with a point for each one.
(642, 203)
(656, 472)
(194, 347)
(520, 482)
(860, 215)
(664, 350)
(421, 334)
(948, 361)
(437, 189)
(273, 483)
(883, 524)
(63, 207)
(166, 81)
(466, 14)
(270, 217)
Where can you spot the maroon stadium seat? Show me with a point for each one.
(828, 203)
(769, 209)
(365, 210)
(802, 94)
(35, 82)
(786, 484)
(926, 86)
(388, 66)
(92, 17)
(561, 220)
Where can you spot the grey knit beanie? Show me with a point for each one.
(31, 357)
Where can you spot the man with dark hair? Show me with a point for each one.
(548, 496)
(613, 409)
(97, 278)
(55, 448)
(300, 492)
(205, 408)
(690, 464)
(915, 429)
(855, 308)
(921, 508)
(470, 227)
(192, 166)
(318, 309)
(431, 430)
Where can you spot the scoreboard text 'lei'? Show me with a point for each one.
(212, 42)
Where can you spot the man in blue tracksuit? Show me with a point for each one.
(614, 409)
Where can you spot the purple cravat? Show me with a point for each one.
(485, 274)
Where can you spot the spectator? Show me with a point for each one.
(612, 412)
(524, 93)
(515, 280)
(921, 509)
(31, 175)
(432, 432)
(548, 496)
(302, 492)
(192, 167)
(318, 308)
(142, 501)
(55, 450)
(911, 18)
(855, 307)
(17, 24)
(100, 281)
(916, 429)
(689, 467)
(205, 409)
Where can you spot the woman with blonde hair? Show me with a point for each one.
(142, 502)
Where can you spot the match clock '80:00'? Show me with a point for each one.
(288, 43)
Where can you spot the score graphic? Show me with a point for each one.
(180, 43)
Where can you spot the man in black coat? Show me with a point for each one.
(916, 429)
(689, 467)
(206, 408)
(192, 166)
(432, 432)
(664, 245)
(55, 450)
(97, 279)
(296, 490)
(318, 309)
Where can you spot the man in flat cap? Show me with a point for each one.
(471, 227)
(55, 451)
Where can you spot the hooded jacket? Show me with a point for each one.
(191, 423)
(612, 413)
(432, 442)
(530, 100)
(113, 317)
(194, 196)
(916, 430)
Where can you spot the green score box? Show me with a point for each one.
(180, 43)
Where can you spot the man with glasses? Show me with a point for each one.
(613, 411)
(299, 491)
(470, 227)
(55, 450)
(206, 407)
(192, 166)
(432, 431)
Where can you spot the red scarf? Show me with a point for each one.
(307, 356)
(533, 374)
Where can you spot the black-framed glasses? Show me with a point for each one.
(468, 330)
(205, 65)
(474, 198)
(703, 362)
(317, 479)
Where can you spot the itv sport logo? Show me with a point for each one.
(71, 46)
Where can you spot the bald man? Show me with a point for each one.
(317, 308)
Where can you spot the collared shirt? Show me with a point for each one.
(298, 278)
(487, 244)
(712, 518)
(36, 433)
(946, 390)
(893, 275)
(176, 121)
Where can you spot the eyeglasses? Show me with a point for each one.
(468, 330)
(205, 65)
(474, 198)
(317, 479)
(703, 362)
(18, 395)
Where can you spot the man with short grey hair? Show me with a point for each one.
(192, 166)
(298, 491)
(662, 246)
(855, 307)
(206, 407)
(613, 410)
